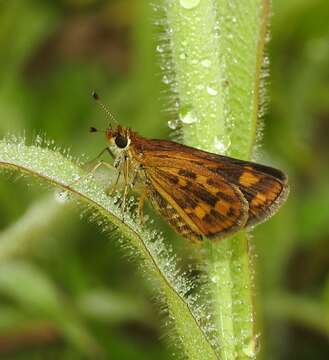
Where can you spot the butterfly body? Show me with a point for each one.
(200, 194)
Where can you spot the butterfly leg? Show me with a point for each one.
(111, 189)
(100, 154)
(125, 168)
(124, 202)
(98, 165)
(140, 209)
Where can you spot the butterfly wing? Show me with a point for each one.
(175, 219)
(263, 187)
(203, 206)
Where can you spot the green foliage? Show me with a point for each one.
(89, 299)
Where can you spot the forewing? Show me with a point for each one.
(208, 205)
(265, 188)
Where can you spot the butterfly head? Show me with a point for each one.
(118, 138)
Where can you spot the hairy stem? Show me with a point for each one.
(217, 56)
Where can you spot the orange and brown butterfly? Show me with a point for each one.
(200, 194)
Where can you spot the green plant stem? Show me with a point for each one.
(198, 73)
(217, 55)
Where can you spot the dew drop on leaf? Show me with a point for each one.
(215, 279)
(222, 143)
(211, 91)
(159, 49)
(62, 196)
(206, 63)
(187, 115)
(189, 4)
(166, 80)
(173, 124)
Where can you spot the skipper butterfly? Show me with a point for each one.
(200, 194)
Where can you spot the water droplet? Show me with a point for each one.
(222, 143)
(189, 4)
(62, 196)
(166, 80)
(182, 56)
(215, 279)
(211, 91)
(173, 124)
(187, 115)
(234, 19)
(159, 49)
(206, 63)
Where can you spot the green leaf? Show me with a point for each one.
(146, 246)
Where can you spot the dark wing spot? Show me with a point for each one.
(278, 174)
(187, 185)
(231, 212)
(185, 202)
(208, 219)
(223, 196)
(217, 215)
(205, 196)
(170, 177)
(187, 173)
(199, 163)
(210, 181)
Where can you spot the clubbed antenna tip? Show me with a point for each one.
(95, 95)
(92, 129)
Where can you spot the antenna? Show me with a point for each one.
(95, 130)
(104, 108)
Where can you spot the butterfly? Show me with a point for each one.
(200, 194)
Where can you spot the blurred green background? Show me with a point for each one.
(66, 291)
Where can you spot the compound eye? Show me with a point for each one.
(121, 141)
